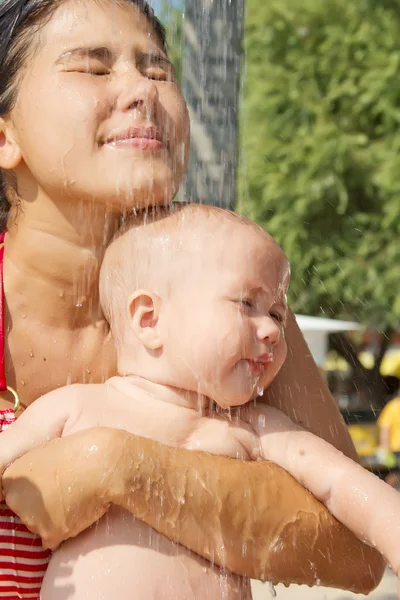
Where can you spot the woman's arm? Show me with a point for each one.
(301, 392)
(252, 518)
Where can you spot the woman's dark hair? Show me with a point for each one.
(19, 21)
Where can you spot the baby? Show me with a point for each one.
(196, 300)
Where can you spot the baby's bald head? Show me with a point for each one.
(166, 247)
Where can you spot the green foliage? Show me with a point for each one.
(321, 149)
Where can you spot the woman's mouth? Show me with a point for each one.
(143, 138)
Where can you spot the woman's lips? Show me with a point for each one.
(136, 142)
(143, 138)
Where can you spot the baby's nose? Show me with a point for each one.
(268, 330)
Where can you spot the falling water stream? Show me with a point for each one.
(211, 72)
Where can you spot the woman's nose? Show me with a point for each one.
(268, 330)
(138, 92)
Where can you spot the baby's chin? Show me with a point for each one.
(234, 400)
(240, 391)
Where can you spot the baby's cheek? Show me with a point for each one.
(234, 342)
(283, 348)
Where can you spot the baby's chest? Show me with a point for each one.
(161, 422)
(219, 434)
(170, 425)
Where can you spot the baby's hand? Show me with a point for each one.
(226, 436)
(273, 428)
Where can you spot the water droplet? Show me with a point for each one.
(272, 590)
(80, 302)
(261, 421)
(260, 391)
(23, 383)
(31, 354)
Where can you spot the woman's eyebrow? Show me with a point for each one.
(100, 52)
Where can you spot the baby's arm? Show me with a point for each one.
(41, 422)
(358, 499)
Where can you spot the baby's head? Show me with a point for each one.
(196, 299)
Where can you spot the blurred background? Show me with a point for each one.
(295, 109)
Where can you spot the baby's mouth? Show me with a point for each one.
(259, 364)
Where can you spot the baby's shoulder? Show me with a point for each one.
(80, 392)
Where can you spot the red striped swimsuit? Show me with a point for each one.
(23, 560)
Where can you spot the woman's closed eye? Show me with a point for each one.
(157, 74)
(87, 61)
(93, 68)
(158, 68)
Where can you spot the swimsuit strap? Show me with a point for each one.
(3, 382)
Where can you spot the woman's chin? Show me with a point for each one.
(127, 197)
(141, 191)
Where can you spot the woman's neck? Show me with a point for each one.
(52, 260)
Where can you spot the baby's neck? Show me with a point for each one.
(169, 394)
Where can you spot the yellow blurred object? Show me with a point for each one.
(386, 458)
(334, 362)
(365, 438)
(367, 359)
(390, 419)
(390, 363)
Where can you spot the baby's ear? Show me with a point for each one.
(143, 314)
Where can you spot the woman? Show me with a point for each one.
(93, 125)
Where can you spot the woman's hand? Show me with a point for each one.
(60, 489)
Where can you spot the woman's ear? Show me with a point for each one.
(10, 153)
(143, 313)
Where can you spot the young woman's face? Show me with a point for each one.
(99, 114)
